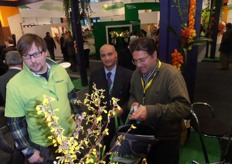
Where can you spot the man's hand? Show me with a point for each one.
(119, 111)
(134, 104)
(140, 114)
(36, 158)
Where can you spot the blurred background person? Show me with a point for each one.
(14, 62)
(125, 58)
(9, 42)
(51, 45)
(226, 48)
(86, 47)
(68, 45)
(63, 51)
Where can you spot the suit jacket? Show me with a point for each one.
(4, 80)
(3, 67)
(50, 43)
(121, 86)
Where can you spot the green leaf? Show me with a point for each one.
(200, 41)
(204, 39)
(185, 54)
(171, 29)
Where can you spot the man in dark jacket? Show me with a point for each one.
(118, 87)
(51, 45)
(68, 46)
(14, 61)
(159, 94)
(225, 47)
(9, 42)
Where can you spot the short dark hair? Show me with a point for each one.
(144, 44)
(68, 32)
(228, 25)
(25, 42)
(9, 40)
(13, 58)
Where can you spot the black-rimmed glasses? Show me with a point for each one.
(35, 55)
(141, 60)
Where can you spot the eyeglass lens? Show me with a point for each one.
(35, 55)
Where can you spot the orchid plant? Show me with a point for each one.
(89, 131)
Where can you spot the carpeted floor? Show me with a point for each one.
(215, 87)
(212, 86)
(192, 151)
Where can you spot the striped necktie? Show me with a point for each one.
(109, 82)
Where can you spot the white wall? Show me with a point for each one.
(15, 25)
(229, 18)
(112, 18)
(149, 17)
(42, 29)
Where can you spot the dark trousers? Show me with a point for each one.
(52, 54)
(164, 152)
(224, 60)
(65, 56)
(73, 62)
(86, 52)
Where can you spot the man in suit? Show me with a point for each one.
(14, 61)
(51, 45)
(9, 42)
(119, 88)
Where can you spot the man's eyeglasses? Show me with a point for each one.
(141, 60)
(35, 55)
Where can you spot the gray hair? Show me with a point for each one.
(13, 58)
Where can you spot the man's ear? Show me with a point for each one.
(154, 55)
(46, 53)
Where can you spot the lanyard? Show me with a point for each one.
(145, 87)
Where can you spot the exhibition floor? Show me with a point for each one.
(212, 86)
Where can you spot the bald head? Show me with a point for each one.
(108, 56)
(107, 47)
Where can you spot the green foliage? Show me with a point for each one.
(205, 18)
(66, 5)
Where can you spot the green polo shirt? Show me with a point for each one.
(25, 91)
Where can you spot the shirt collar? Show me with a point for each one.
(29, 71)
(149, 75)
(113, 71)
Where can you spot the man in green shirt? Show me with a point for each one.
(40, 76)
